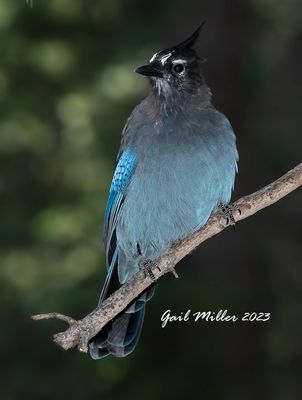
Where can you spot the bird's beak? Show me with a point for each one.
(149, 70)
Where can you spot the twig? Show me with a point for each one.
(80, 332)
(56, 315)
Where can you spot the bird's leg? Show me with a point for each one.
(146, 265)
(227, 211)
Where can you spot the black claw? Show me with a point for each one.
(146, 266)
(151, 274)
(232, 218)
(227, 212)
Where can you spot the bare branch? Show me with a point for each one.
(80, 332)
(56, 315)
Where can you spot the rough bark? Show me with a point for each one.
(80, 332)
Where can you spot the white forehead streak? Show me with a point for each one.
(153, 58)
(165, 58)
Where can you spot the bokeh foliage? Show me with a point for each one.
(66, 88)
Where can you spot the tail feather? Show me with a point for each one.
(120, 336)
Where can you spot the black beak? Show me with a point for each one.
(149, 70)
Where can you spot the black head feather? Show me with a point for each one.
(190, 41)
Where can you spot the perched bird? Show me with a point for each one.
(176, 164)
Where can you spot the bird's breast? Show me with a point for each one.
(177, 183)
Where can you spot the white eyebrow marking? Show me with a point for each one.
(179, 61)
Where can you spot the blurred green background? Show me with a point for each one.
(66, 88)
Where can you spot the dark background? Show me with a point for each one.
(66, 88)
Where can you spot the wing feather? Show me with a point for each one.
(121, 178)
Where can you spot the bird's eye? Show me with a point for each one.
(178, 68)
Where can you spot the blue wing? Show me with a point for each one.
(120, 335)
(121, 178)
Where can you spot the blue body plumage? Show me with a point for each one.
(176, 164)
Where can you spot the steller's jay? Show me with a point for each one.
(176, 164)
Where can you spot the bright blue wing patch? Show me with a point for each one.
(122, 175)
(123, 171)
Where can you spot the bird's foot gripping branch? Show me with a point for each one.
(80, 332)
(228, 211)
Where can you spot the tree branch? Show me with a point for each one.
(80, 332)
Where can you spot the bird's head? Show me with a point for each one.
(176, 68)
